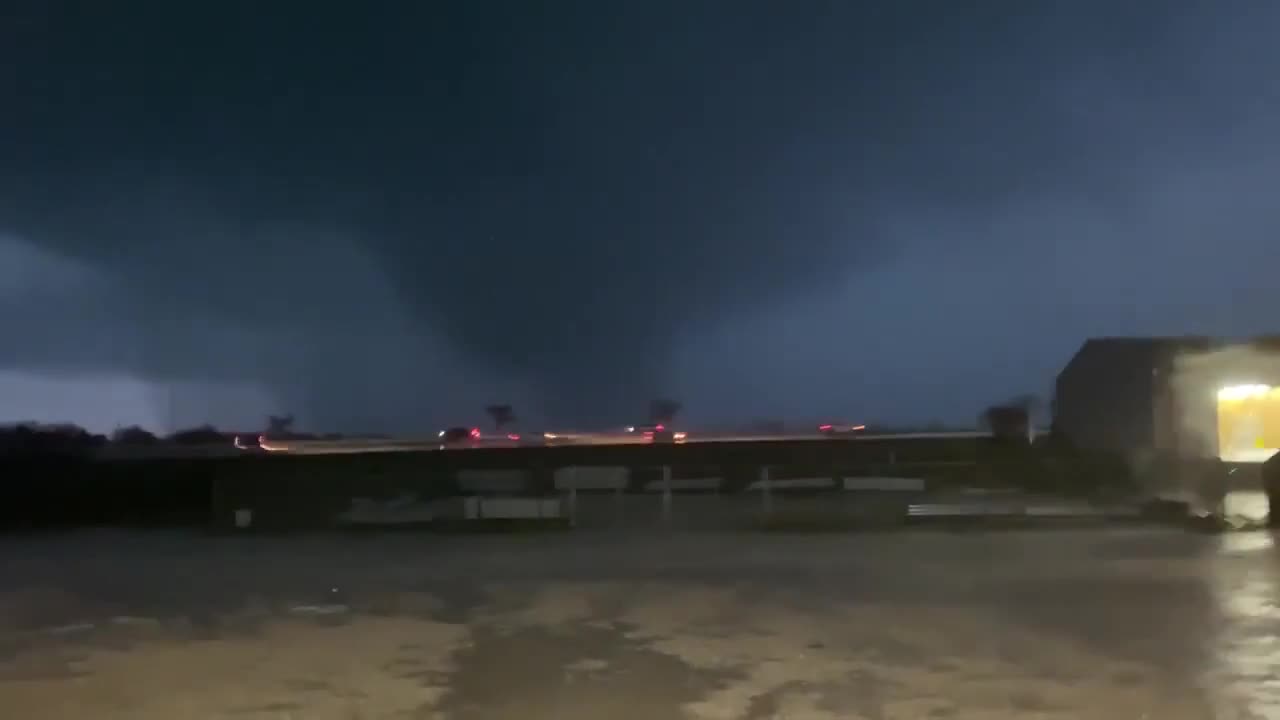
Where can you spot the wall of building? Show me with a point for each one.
(1153, 396)
(1105, 397)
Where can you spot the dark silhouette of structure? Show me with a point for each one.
(280, 425)
(1011, 420)
(1156, 394)
(664, 410)
(1115, 393)
(502, 415)
(1008, 421)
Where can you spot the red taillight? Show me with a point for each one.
(513, 436)
(824, 427)
(475, 433)
(659, 428)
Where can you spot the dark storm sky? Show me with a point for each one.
(384, 216)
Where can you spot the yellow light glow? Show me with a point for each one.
(1243, 392)
(1248, 422)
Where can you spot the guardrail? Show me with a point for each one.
(618, 496)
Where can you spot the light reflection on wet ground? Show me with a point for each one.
(1101, 624)
(1243, 676)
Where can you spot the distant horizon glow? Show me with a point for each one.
(103, 403)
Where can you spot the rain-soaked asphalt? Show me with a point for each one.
(1121, 623)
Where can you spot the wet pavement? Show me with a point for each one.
(1116, 623)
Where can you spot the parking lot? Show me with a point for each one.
(1120, 623)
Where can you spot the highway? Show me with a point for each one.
(245, 445)
(557, 439)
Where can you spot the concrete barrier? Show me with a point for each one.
(454, 508)
(494, 481)
(678, 485)
(592, 478)
(405, 509)
(884, 484)
(631, 511)
(785, 484)
(513, 508)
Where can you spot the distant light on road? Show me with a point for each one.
(262, 442)
(830, 428)
(642, 436)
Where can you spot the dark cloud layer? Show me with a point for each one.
(355, 208)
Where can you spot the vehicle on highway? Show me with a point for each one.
(552, 438)
(658, 433)
(473, 437)
(249, 442)
(517, 439)
(839, 430)
(459, 436)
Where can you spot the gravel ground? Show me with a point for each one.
(1120, 623)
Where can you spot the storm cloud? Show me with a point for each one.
(382, 218)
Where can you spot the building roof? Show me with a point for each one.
(1127, 354)
(1130, 352)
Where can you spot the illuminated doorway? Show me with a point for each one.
(1248, 422)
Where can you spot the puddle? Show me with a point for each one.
(581, 674)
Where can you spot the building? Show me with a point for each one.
(1189, 396)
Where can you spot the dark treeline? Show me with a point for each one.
(32, 438)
